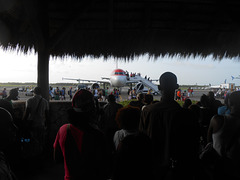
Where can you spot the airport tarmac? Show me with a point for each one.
(197, 93)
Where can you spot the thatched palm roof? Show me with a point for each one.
(122, 28)
(119, 28)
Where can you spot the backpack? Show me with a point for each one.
(73, 156)
(84, 163)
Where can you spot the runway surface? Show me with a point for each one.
(196, 95)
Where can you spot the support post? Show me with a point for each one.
(36, 12)
(43, 71)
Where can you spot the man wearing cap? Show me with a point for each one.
(80, 144)
(172, 132)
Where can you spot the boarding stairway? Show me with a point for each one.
(146, 83)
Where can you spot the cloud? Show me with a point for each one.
(196, 65)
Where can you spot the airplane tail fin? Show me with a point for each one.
(232, 77)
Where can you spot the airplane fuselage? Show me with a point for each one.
(118, 78)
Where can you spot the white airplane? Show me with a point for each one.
(119, 78)
(235, 77)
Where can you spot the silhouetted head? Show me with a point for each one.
(211, 95)
(111, 98)
(234, 102)
(13, 94)
(195, 109)
(37, 90)
(148, 98)
(140, 96)
(204, 100)
(187, 103)
(83, 109)
(83, 101)
(168, 82)
(128, 117)
(168, 85)
(8, 129)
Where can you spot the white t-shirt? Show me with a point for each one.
(120, 135)
(96, 93)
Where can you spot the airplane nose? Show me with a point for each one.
(119, 81)
(123, 80)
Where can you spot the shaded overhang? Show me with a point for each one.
(122, 28)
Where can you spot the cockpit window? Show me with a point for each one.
(119, 73)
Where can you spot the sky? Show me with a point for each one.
(18, 67)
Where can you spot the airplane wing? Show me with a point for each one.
(86, 80)
(105, 78)
(215, 87)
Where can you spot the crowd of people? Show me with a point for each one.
(29, 138)
(183, 95)
(60, 94)
(146, 139)
(98, 93)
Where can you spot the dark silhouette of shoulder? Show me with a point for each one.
(134, 158)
